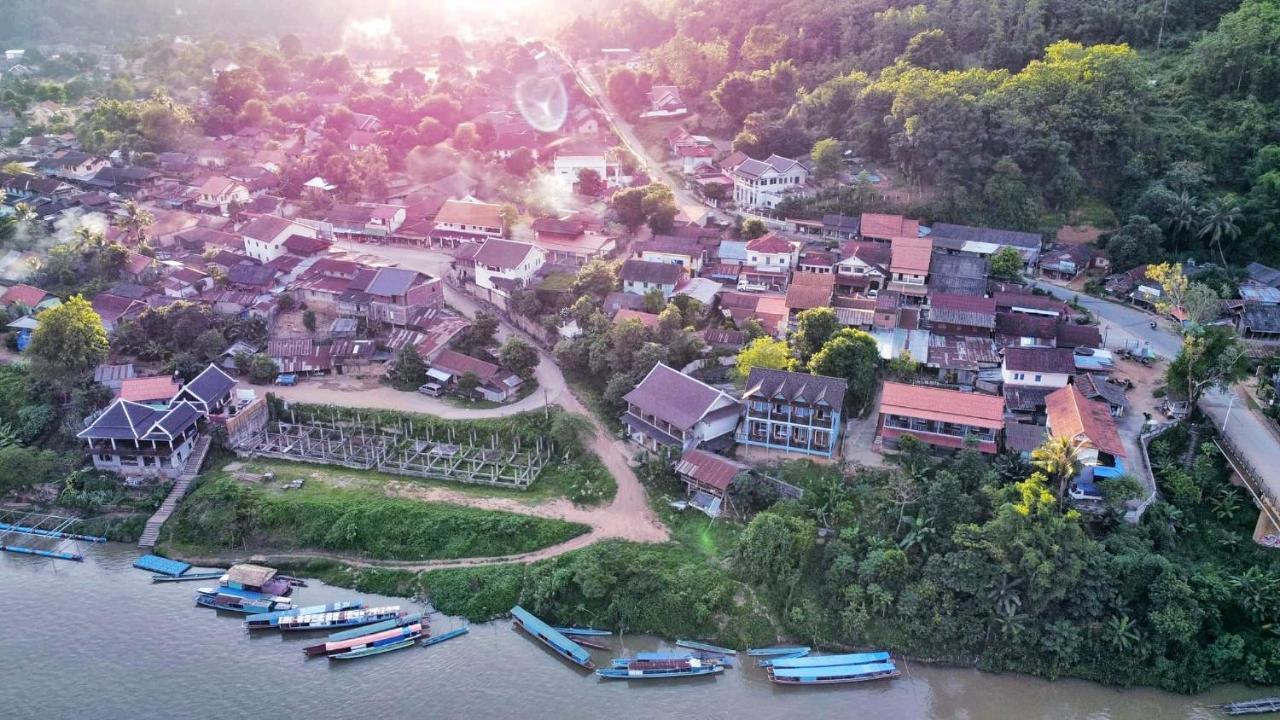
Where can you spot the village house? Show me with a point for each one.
(112, 309)
(461, 221)
(496, 384)
(1099, 388)
(958, 274)
(909, 260)
(366, 219)
(685, 252)
(764, 183)
(641, 276)
(985, 242)
(665, 102)
(1067, 262)
(1023, 330)
(961, 315)
(939, 417)
(964, 361)
(792, 412)
(573, 158)
(27, 299)
(808, 291)
(670, 409)
(570, 241)
(708, 479)
(265, 236)
(862, 268)
(1090, 428)
(128, 182)
(769, 262)
(218, 192)
(390, 295)
(1037, 367)
(72, 165)
(501, 266)
(24, 187)
(885, 228)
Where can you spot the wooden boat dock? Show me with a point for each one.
(552, 638)
(49, 533)
(164, 566)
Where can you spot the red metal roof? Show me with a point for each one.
(941, 405)
(770, 243)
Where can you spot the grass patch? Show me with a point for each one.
(714, 539)
(117, 528)
(557, 282)
(225, 513)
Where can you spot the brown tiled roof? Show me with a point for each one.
(875, 225)
(646, 319)
(216, 185)
(930, 403)
(1006, 300)
(147, 388)
(265, 228)
(303, 245)
(456, 363)
(654, 272)
(675, 397)
(769, 243)
(26, 294)
(810, 290)
(556, 226)
(709, 469)
(1071, 335)
(911, 255)
(1039, 360)
(502, 254)
(457, 212)
(1071, 415)
(1023, 325)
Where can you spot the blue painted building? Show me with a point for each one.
(792, 412)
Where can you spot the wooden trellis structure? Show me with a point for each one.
(401, 451)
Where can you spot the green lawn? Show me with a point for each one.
(225, 513)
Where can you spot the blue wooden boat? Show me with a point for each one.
(272, 619)
(833, 660)
(378, 627)
(770, 661)
(357, 643)
(705, 658)
(832, 675)
(777, 650)
(237, 592)
(444, 636)
(188, 577)
(656, 669)
(583, 631)
(552, 638)
(377, 648)
(340, 619)
(704, 647)
(247, 606)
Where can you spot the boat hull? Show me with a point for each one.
(376, 650)
(625, 674)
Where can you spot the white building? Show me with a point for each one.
(503, 265)
(570, 162)
(1037, 367)
(765, 183)
(265, 236)
(218, 192)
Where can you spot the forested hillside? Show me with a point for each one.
(1163, 124)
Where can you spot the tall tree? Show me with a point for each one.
(763, 352)
(814, 327)
(852, 355)
(1058, 459)
(69, 343)
(1221, 220)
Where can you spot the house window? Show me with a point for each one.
(1038, 378)
(1019, 376)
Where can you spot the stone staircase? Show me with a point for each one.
(189, 472)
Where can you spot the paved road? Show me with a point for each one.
(689, 204)
(1251, 433)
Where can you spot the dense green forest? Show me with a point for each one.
(1161, 119)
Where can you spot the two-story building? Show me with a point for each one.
(395, 296)
(571, 241)
(265, 236)
(961, 315)
(501, 266)
(670, 409)
(863, 267)
(460, 221)
(909, 260)
(1037, 367)
(878, 227)
(792, 412)
(675, 250)
(770, 260)
(939, 417)
(366, 219)
(641, 276)
(218, 192)
(765, 183)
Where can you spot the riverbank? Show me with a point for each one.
(206, 665)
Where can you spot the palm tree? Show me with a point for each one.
(136, 220)
(1183, 216)
(919, 533)
(1220, 221)
(25, 213)
(1057, 458)
(1254, 591)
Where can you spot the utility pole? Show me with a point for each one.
(1227, 417)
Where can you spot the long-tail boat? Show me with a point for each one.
(637, 669)
(362, 630)
(583, 631)
(376, 648)
(341, 619)
(832, 660)
(442, 637)
(769, 661)
(552, 638)
(189, 577)
(777, 650)
(833, 674)
(704, 647)
(272, 619)
(238, 604)
(355, 643)
(704, 658)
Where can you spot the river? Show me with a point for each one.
(99, 640)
